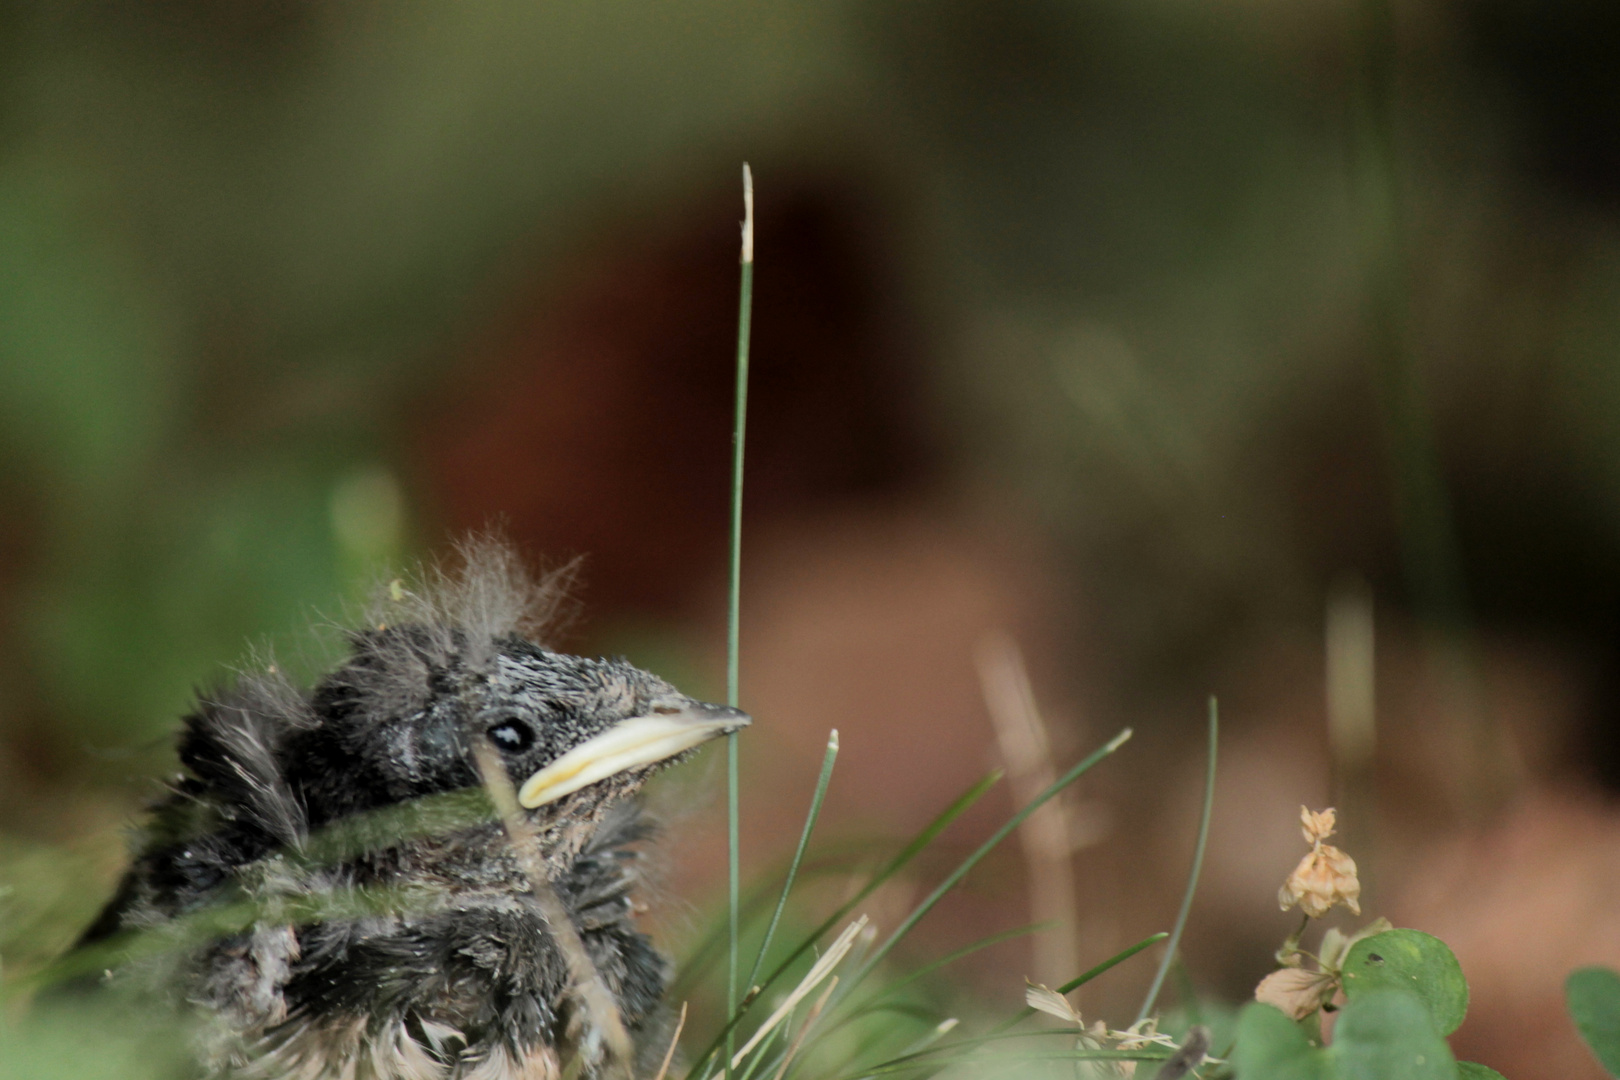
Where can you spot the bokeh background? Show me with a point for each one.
(1159, 348)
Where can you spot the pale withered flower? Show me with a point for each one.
(1324, 877)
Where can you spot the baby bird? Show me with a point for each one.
(363, 926)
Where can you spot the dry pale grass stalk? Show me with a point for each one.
(1351, 702)
(748, 215)
(674, 1041)
(586, 985)
(1048, 844)
(812, 978)
(804, 1029)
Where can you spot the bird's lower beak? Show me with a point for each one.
(629, 744)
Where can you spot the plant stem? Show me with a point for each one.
(745, 307)
(1197, 865)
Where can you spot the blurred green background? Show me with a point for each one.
(1152, 326)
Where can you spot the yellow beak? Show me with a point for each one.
(629, 744)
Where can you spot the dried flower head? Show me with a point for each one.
(1317, 826)
(1324, 877)
(1297, 991)
(1044, 999)
(1138, 1036)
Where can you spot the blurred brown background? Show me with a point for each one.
(1194, 346)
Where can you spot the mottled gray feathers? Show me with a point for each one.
(232, 741)
(464, 980)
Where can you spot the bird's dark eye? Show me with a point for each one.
(512, 735)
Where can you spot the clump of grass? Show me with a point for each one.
(845, 1007)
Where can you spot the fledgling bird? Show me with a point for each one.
(446, 962)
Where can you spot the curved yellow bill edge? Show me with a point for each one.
(632, 742)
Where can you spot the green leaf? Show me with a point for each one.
(1388, 1033)
(1272, 1047)
(1593, 995)
(1413, 961)
(1470, 1070)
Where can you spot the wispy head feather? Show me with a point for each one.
(443, 627)
(487, 592)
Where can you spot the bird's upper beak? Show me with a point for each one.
(632, 742)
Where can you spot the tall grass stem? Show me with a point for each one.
(1197, 865)
(745, 310)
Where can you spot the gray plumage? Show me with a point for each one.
(453, 973)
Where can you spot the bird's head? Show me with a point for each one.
(404, 717)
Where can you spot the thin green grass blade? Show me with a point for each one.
(1118, 958)
(935, 1034)
(927, 1061)
(710, 949)
(984, 849)
(220, 920)
(967, 950)
(829, 860)
(1081, 980)
(912, 849)
(919, 1013)
(745, 312)
(929, 1038)
(798, 855)
(432, 815)
(879, 1038)
(1197, 865)
(978, 1040)
(917, 845)
(879, 1001)
(764, 1049)
(1188, 993)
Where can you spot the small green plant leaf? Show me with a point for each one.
(1413, 961)
(1593, 995)
(1471, 1070)
(1388, 1033)
(1270, 1046)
